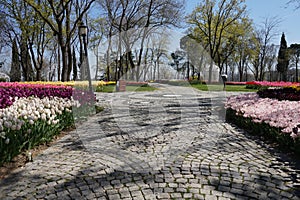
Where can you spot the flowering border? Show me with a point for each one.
(31, 121)
(273, 118)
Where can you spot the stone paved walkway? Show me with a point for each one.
(168, 144)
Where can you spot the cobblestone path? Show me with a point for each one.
(168, 144)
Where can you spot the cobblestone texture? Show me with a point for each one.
(169, 144)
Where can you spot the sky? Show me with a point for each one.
(259, 10)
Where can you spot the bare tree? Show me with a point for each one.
(133, 21)
(294, 2)
(264, 37)
(57, 15)
(20, 28)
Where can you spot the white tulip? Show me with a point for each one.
(43, 116)
(2, 135)
(13, 127)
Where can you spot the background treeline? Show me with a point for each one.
(39, 40)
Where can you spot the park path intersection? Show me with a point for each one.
(169, 144)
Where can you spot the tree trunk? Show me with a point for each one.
(15, 71)
(74, 66)
(210, 71)
(38, 74)
(68, 43)
(297, 78)
(64, 74)
(70, 62)
(58, 64)
(188, 70)
(154, 71)
(26, 62)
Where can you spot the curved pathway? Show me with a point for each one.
(169, 144)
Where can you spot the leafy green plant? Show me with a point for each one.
(13, 142)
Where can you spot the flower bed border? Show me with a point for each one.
(26, 141)
(285, 142)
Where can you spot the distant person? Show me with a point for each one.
(224, 78)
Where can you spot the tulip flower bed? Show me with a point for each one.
(235, 83)
(9, 91)
(287, 93)
(83, 84)
(272, 118)
(265, 84)
(31, 114)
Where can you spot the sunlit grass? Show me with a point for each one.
(229, 88)
(112, 88)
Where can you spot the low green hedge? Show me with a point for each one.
(273, 134)
(256, 87)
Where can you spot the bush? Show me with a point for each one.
(140, 84)
(3, 80)
(179, 83)
(256, 87)
(196, 82)
(289, 93)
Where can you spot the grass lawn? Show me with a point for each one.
(112, 88)
(229, 88)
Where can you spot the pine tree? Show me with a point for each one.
(15, 71)
(283, 59)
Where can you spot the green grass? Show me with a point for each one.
(112, 88)
(140, 89)
(106, 89)
(203, 87)
(229, 88)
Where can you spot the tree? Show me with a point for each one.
(132, 22)
(15, 71)
(75, 71)
(271, 60)
(158, 51)
(178, 56)
(20, 28)
(263, 42)
(38, 41)
(283, 59)
(295, 2)
(294, 51)
(57, 15)
(211, 21)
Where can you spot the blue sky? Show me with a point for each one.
(259, 10)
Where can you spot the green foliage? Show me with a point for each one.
(31, 135)
(218, 87)
(140, 88)
(256, 87)
(283, 58)
(215, 25)
(3, 80)
(106, 88)
(112, 88)
(40, 132)
(294, 52)
(99, 108)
